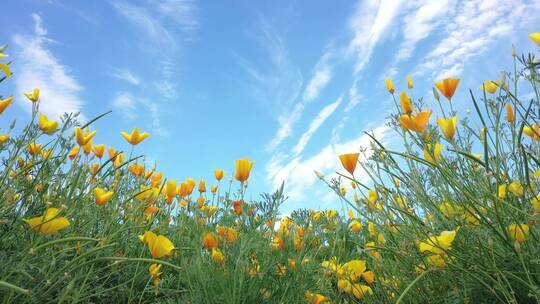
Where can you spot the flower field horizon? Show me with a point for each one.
(447, 215)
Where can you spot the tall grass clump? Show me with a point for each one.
(448, 217)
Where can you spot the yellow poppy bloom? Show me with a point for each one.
(416, 123)
(447, 87)
(516, 188)
(99, 150)
(409, 82)
(5, 103)
(448, 126)
(405, 102)
(102, 196)
(438, 244)
(349, 161)
(33, 149)
(210, 241)
(433, 155)
(202, 186)
(218, 173)
(390, 85)
(316, 298)
(218, 256)
(518, 232)
(33, 96)
(535, 202)
(5, 68)
(4, 138)
(47, 126)
(489, 86)
(74, 152)
(355, 226)
(158, 245)
(49, 222)
(83, 137)
(243, 168)
(135, 137)
(535, 37)
(533, 131)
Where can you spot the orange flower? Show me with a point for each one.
(210, 241)
(510, 116)
(448, 86)
(416, 123)
(202, 186)
(74, 152)
(390, 85)
(136, 169)
(349, 161)
(237, 206)
(33, 149)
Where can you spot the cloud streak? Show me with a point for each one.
(38, 67)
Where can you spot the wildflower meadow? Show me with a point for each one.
(450, 217)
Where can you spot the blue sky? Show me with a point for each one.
(288, 84)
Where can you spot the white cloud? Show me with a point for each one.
(369, 23)
(315, 125)
(322, 74)
(37, 67)
(473, 27)
(125, 104)
(125, 75)
(298, 172)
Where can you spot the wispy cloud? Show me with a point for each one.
(474, 26)
(322, 74)
(125, 75)
(369, 23)
(298, 172)
(38, 67)
(315, 125)
(125, 103)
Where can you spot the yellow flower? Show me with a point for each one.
(371, 229)
(171, 190)
(99, 150)
(136, 169)
(433, 155)
(448, 86)
(359, 290)
(47, 126)
(33, 96)
(158, 245)
(135, 137)
(5, 103)
(490, 86)
(390, 85)
(405, 102)
(409, 82)
(45, 154)
(33, 149)
(535, 202)
(436, 260)
(218, 173)
(355, 226)
(416, 123)
(218, 256)
(102, 196)
(518, 232)
(243, 168)
(87, 148)
(448, 126)
(316, 298)
(349, 161)
(49, 222)
(501, 193)
(372, 196)
(83, 137)
(154, 270)
(5, 68)
(214, 188)
(535, 37)
(533, 131)
(202, 186)
(448, 209)
(516, 188)
(4, 138)
(438, 244)
(343, 191)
